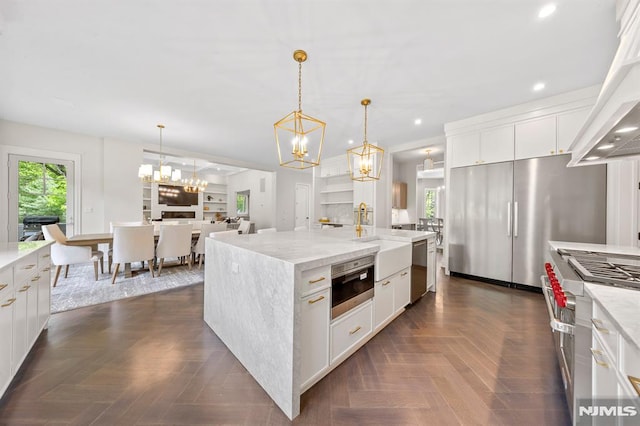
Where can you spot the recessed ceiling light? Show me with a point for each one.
(218, 168)
(627, 129)
(538, 87)
(547, 10)
(350, 141)
(593, 157)
(606, 146)
(417, 121)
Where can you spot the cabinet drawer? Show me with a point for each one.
(604, 328)
(6, 283)
(630, 365)
(603, 371)
(348, 331)
(24, 268)
(44, 259)
(315, 279)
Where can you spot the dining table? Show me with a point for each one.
(107, 238)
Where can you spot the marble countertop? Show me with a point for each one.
(10, 252)
(622, 305)
(316, 247)
(602, 248)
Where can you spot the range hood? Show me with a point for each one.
(612, 129)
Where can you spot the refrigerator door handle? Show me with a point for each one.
(515, 219)
(508, 218)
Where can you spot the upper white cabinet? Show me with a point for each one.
(569, 123)
(535, 138)
(465, 149)
(489, 146)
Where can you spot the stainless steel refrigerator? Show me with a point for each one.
(503, 214)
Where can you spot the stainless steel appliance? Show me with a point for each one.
(503, 214)
(418, 270)
(351, 284)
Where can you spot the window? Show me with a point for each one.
(430, 202)
(242, 203)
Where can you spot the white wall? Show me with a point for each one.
(286, 181)
(406, 172)
(262, 204)
(122, 194)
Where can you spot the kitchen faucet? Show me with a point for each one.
(362, 205)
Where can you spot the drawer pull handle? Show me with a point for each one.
(403, 274)
(9, 303)
(596, 357)
(47, 269)
(386, 282)
(316, 281)
(44, 256)
(316, 300)
(3, 286)
(599, 325)
(36, 278)
(355, 330)
(25, 288)
(29, 266)
(636, 383)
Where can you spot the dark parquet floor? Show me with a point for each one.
(474, 354)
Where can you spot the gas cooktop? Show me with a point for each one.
(605, 268)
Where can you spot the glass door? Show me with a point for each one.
(40, 193)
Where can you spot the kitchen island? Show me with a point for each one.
(268, 298)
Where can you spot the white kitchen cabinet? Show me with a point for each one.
(497, 145)
(630, 368)
(431, 264)
(401, 289)
(350, 330)
(19, 328)
(465, 149)
(604, 382)
(6, 325)
(315, 310)
(383, 309)
(316, 279)
(44, 290)
(569, 123)
(32, 310)
(535, 138)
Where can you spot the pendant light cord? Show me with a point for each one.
(365, 124)
(299, 86)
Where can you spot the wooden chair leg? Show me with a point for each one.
(102, 265)
(66, 270)
(160, 265)
(115, 272)
(150, 262)
(55, 280)
(110, 262)
(189, 260)
(200, 256)
(95, 269)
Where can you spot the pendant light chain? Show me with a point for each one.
(299, 86)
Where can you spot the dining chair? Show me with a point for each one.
(266, 230)
(174, 241)
(132, 244)
(112, 225)
(205, 231)
(244, 227)
(64, 255)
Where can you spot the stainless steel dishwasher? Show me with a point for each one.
(418, 270)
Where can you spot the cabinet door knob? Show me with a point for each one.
(561, 151)
(553, 152)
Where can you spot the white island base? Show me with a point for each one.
(268, 298)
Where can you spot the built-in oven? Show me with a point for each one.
(351, 284)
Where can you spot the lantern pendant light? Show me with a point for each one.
(164, 174)
(194, 185)
(305, 133)
(365, 161)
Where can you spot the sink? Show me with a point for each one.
(392, 257)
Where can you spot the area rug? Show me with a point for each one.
(79, 288)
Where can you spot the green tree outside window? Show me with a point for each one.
(42, 190)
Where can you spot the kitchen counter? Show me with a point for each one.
(257, 287)
(10, 252)
(601, 248)
(622, 305)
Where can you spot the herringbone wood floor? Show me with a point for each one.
(472, 354)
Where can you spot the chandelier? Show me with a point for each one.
(194, 185)
(305, 132)
(163, 174)
(428, 162)
(365, 161)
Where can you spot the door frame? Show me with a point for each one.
(52, 156)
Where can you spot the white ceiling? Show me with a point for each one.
(218, 74)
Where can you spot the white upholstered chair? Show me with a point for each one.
(244, 227)
(64, 255)
(132, 244)
(205, 231)
(174, 241)
(265, 230)
(113, 224)
(197, 224)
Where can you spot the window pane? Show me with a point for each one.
(429, 203)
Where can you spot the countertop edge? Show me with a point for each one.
(621, 319)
